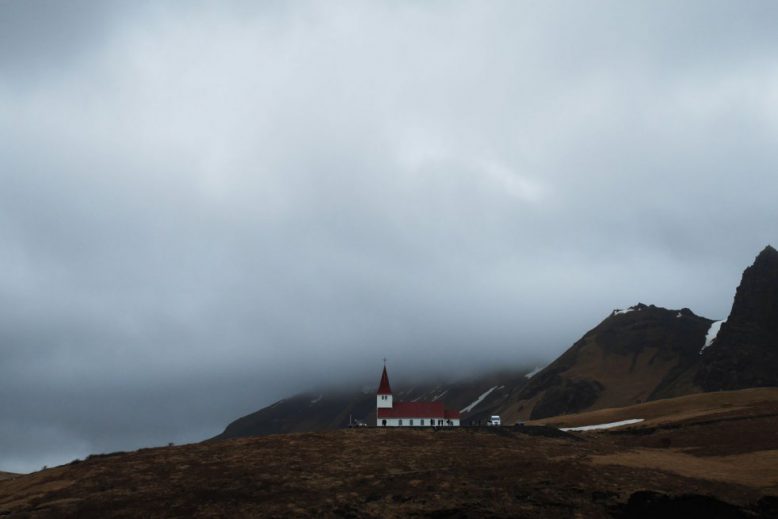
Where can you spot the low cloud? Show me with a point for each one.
(205, 207)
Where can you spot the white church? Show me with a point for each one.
(410, 414)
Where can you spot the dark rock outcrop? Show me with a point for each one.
(648, 504)
(745, 351)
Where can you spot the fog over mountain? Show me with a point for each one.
(206, 206)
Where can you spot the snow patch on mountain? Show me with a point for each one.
(600, 426)
(477, 401)
(713, 331)
(436, 397)
(620, 311)
(533, 372)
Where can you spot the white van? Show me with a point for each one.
(494, 420)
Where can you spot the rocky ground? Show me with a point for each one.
(720, 465)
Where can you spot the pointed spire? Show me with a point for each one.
(383, 387)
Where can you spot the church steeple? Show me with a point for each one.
(384, 394)
(383, 387)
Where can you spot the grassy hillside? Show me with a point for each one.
(689, 457)
(689, 408)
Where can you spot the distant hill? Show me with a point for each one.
(639, 354)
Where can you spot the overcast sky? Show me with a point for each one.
(206, 206)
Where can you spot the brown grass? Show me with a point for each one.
(7, 475)
(381, 473)
(673, 410)
(755, 469)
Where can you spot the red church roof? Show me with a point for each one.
(418, 410)
(383, 387)
(451, 414)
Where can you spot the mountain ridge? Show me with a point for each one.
(642, 353)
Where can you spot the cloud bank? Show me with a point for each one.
(205, 206)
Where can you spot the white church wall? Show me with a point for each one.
(384, 401)
(417, 422)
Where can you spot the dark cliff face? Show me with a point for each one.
(756, 300)
(745, 352)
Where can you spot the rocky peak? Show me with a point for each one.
(768, 255)
(756, 299)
